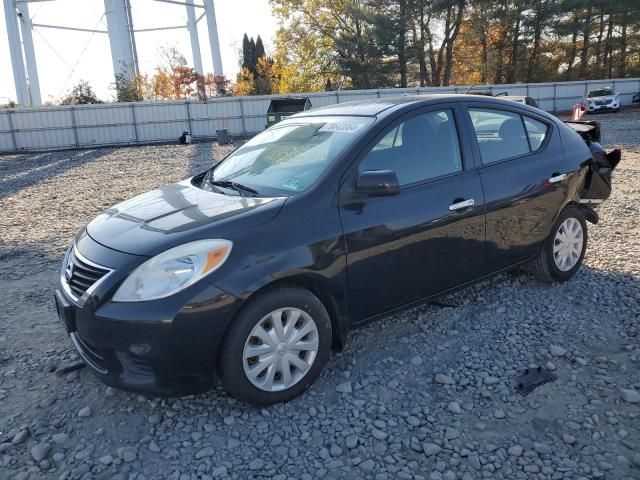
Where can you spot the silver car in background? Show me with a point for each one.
(602, 100)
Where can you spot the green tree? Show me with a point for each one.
(81, 94)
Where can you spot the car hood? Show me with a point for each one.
(175, 214)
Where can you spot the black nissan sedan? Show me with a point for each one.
(251, 272)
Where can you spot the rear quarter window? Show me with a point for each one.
(536, 131)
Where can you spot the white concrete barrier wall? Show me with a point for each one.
(82, 126)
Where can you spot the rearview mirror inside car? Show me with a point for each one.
(378, 183)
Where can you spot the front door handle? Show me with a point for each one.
(558, 178)
(463, 204)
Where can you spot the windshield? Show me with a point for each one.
(290, 156)
(600, 93)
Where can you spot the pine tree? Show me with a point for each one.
(246, 52)
(259, 49)
(252, 60)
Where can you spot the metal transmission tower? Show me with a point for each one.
(212, 26)
(122, 41)
(121, 38)
(18, 21)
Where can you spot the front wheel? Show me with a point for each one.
(276, 346)
(562, 253)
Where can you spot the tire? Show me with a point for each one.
(548, 266)
(283, 305)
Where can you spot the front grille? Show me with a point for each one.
(81, 275)
(89, 353)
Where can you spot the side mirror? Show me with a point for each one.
(378, 183)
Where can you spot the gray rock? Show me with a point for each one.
(541, 448)
(59, 438)
(155, 419)
(351, 441)
(443, 379)
(568, 439)
(106, 460)
(451, 433)
(20, 437)
(431, 449)
(416, 361)
(413, 421)
(499, 414)
(70, 366)
(256, 464)
(84, 412)
(454, 407)
(379, 434)
(40, 451)
(515, 451)
(491, 380)
(205, 452)
(128, 455)
(367, 465)
(474, 461)
(557, 351)
(219, 471)
(630, 395)
(344, 387)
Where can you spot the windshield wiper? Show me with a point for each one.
(234, 186)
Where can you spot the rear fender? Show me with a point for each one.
(597, 186)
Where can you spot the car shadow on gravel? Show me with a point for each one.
(18, 172)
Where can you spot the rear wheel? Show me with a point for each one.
(562, 253)
(276, 346)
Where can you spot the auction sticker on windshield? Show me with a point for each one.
(341, 127)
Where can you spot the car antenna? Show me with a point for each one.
(469, 89)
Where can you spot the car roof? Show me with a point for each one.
(385, 106)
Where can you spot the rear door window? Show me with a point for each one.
(503, 135)
(500, 134)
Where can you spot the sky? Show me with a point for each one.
(65, 57)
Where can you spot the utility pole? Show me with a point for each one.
(15, 51)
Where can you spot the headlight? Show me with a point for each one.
(174, 270)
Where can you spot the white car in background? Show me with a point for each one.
(602, 100)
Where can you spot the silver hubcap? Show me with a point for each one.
(568, 244)
(280, 349)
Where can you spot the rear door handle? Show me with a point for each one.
(557, 178)
(460, 205)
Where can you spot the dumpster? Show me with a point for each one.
(281, 108)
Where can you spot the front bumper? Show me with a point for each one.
(167, 346)
(603, 108)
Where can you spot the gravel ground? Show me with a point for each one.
(428, 393)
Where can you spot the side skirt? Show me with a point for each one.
(429, 298)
